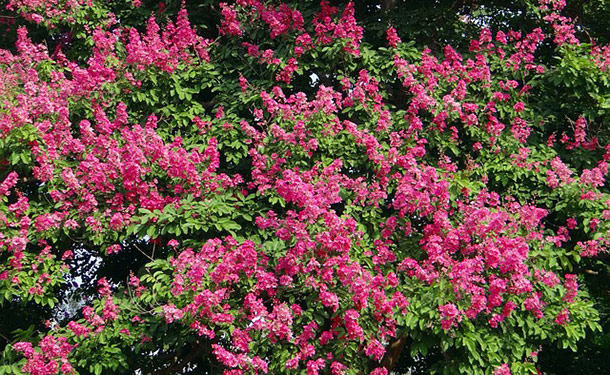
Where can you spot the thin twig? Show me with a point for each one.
(143, 253)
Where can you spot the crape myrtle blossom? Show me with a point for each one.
(292, 231)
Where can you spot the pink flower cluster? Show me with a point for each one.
(52, 358)
(345, 242)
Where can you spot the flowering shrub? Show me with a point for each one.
(275, 193)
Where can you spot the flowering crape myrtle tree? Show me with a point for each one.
(283, 188)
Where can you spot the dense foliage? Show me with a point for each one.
(258, 187)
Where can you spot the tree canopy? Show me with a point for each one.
(253, 187)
